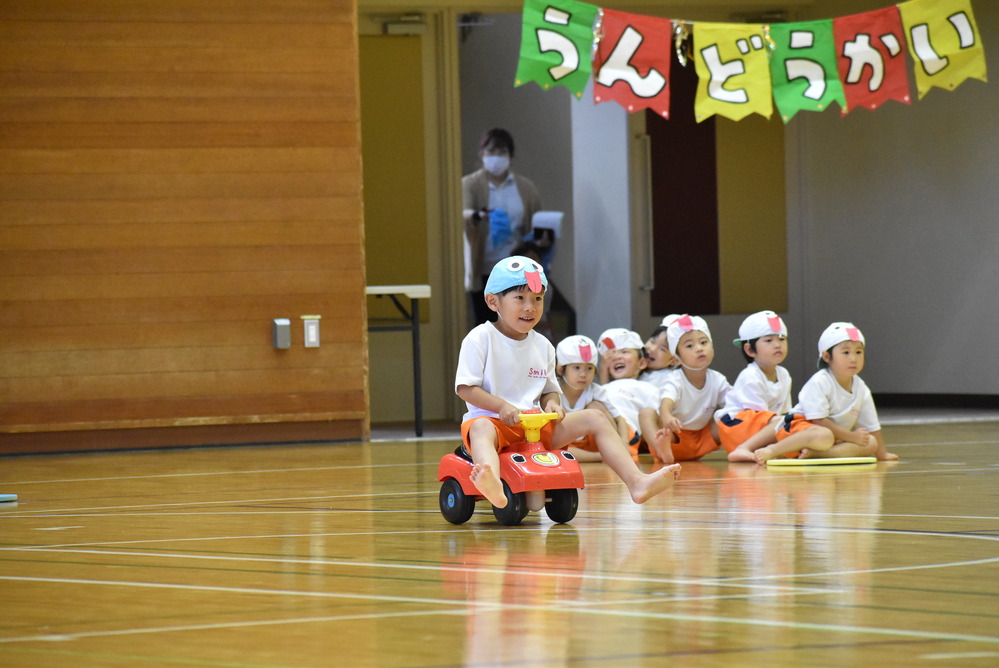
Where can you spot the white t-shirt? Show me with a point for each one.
(823, 397)
(629, 396)
(754, 391)
(695, 407)
(592, 392)
(518, 372)
(658, 377)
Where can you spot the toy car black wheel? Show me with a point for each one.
(515, 510)
(456, 506)
(563, 505)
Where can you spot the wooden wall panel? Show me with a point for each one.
(175, 174)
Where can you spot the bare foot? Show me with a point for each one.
(741, 454)
(885, 456)
(661, 448)
(654, 483)
(488, 484)
(536, 499)
(763, 455)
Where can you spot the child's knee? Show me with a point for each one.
(482, 431)
(590, 417)
(819, 438)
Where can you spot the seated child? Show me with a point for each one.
(575, 365)
(837, 400)
(623, 358)
(761, 394)
(661, 362)
(691, 396)
(505, 367)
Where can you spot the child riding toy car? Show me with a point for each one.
(533, 477)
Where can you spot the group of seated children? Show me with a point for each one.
(671, 401)
(661, 393)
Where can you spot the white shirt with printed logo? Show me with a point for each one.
(518, 372)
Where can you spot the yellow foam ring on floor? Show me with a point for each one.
(821, 461)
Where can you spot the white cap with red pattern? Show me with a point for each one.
(682, 325)
(619, 337)
(838, 332)
(577, 349)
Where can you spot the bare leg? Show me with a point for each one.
(814, 439)
(841, 449)
(661, 445)
(535, 499)
(658, 442)
(599, 406)
(585, 455)
(875, 447)
(485, 470)
(764, 437)
(642, 486)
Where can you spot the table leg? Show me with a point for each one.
(417, 382)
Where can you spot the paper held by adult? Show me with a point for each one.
(549, 220)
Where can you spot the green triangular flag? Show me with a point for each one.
(803, 68)
(556, 44)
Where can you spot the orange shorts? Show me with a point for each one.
(694, 444)
(734, 430)
(589, 443)
(793, 424)
(506, 436)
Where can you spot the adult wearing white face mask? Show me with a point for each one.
(498, 208)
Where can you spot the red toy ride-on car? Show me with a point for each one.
(528, 469)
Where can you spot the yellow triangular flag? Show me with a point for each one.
(733, 71)
(944, 42)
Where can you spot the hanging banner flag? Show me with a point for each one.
(872, 58)
(732, 70)
(944, 42)
(803, 68)
(556, 44)
(632, 61)
(855, 61)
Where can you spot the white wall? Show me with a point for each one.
(602, 215)
(894, 227)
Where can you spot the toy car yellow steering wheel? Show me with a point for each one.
(533, 422)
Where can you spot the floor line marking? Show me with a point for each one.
(590, 511)
(62, 481)
(733, 581)
(641, 578)
(63, 637)
(340, 534)
(480, 606)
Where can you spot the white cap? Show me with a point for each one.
(576, 349)
(760, 324)
(670, 319)
(838, 332)
(619, 337)
(682, 325)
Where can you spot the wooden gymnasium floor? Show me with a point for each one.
(336, 555)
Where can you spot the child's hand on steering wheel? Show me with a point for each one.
(555, 407)
(509, 415)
